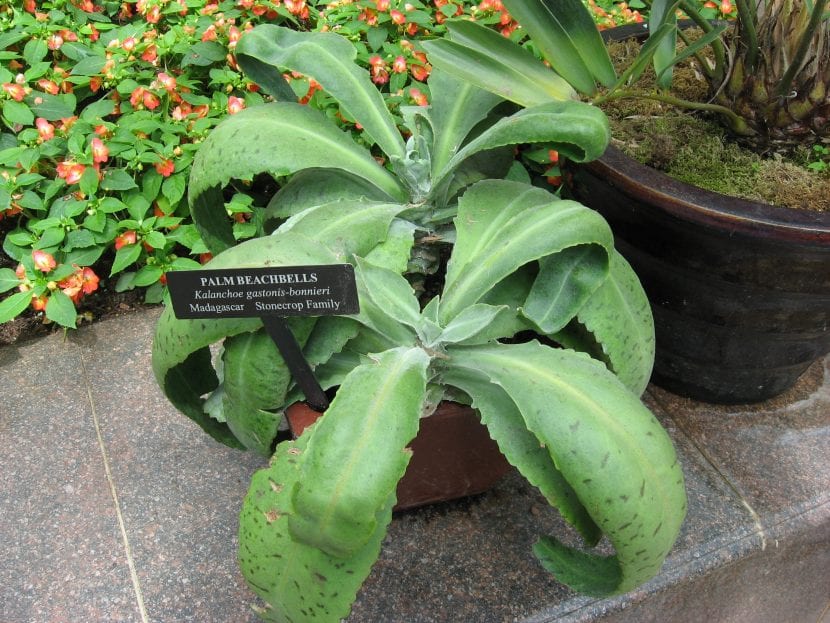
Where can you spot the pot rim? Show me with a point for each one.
(708, 208)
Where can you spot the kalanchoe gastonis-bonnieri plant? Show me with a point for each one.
(568, 418)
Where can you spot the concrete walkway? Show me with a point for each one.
(113, 507)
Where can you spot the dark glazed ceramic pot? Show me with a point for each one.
(452, 455)
(740, 290)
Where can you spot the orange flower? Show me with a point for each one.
(297, 7)
(419, 98)
(166, 81)
(54, 42)
(82, 281)
(16, 91)
(725, 7)
(150, 100)
(235, 104)
(397, 17)
(150, 54)
(90, 280)
(399, 65)
(165, 167)
(71, 287)
(45, 129)
(153, 15)
(100, 152)
(70, 171)
(44, 261)
(127, 238)
(39, 302)
(48, 85)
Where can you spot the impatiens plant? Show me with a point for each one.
(47, 287)
(506, 260)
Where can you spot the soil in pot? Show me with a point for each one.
(694, 148)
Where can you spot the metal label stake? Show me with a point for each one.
(296, 362)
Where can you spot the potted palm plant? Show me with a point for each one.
(536, 322)
(740, 289)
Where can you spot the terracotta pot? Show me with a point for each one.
(740, 290)
(452, 456)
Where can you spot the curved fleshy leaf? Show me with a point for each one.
(501, 226)
(567, 36)
(314, 187)
(279, 138)
(521, 447)
(357, 453)
(456, 108)
(479, 324)
(329, 59)
(255, 381)
(298, 582)
(387, 304)
(575, 129)
(664, 12)
(607, 445)
(394, 252)
(618, 316)
(483, 57)
(347, 227)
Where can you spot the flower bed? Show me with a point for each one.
(105, 103)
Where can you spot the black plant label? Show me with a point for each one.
(325, 290)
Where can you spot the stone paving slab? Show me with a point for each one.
(116, 508)
(62, 552)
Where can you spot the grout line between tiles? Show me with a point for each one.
(713, 463)
(119, 516)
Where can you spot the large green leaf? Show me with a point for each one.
(483, 57)
(457, 107)
(279, 138)
(387, 303)
(521, 447)
(347, 227)
(313, 187)
(298, 582)
(255, 380)
(14, 304)
(566, 281)
(618, 316)
(329, 59)
(357, 453)
(565, 33)
(575, 129)
(607, 445)
(501, 226)
(181, 357)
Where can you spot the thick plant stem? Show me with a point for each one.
(816, 18)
